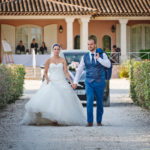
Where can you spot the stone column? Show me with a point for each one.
(123, 39)
(84, 32)
(69, 21)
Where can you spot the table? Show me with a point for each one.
(26, 60)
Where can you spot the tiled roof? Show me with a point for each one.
(76, 7)
(40, 7)
(115, 7)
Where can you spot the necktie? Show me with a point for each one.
(93, 60)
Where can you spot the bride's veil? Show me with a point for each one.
(52, 54)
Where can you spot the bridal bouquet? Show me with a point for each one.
(73, 66)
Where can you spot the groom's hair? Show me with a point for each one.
(92, 39)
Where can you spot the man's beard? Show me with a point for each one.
(93, 49)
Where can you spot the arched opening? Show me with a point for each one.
(26, 33)
(106, 41)
(77, 42)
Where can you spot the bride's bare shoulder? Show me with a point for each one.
(48, 61)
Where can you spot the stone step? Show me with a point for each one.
(30, 73)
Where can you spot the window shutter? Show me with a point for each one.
(50, 35)
(139, 38)
(136, 38)
(147, 37)
(8, 33)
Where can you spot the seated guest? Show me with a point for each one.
(34, 45)
(43, 48)
(20, 48)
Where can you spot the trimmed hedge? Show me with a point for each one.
(11, 83)
(140, 83)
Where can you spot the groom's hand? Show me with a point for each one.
(97, 55)
(74, 86)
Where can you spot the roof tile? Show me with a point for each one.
(83, 7)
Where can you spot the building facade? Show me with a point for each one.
(70, 23)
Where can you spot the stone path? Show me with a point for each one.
(126, 126)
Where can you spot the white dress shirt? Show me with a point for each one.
(105, 62)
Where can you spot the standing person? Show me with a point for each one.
(114, 54)
(43, 48)
(95, 80)
(34, 45)
(55, 102)
(20, 48)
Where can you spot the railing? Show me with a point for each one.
(138, 55)
(115, 57)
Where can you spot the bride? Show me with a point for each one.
(55, 102)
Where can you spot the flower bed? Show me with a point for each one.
(11, 83)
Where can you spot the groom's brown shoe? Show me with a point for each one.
(89, 125)
(99, 124)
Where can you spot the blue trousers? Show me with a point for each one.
(95, 89)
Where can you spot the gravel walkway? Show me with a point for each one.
(126, 126)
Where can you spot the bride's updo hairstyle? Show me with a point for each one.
(56, 45)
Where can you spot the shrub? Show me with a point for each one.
(123, 72)
(124, 69)
(133, 65)
(11, 83)
(140, 83)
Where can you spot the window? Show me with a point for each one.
(106, 40)
(77, 42)
(27, 33)
(136, 38)
(140, 37)
(22, 34)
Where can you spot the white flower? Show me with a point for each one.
(74, 65)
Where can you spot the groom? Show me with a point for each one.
(95, 80)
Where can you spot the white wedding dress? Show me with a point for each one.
(55, 102)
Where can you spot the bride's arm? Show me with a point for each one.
(66, 71)
(46, 70)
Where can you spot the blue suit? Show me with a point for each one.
(95, 85)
